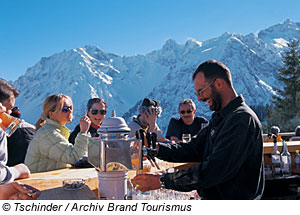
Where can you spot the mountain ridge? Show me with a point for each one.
(164, 74)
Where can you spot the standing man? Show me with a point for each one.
(7, 100)
(187, 123)
(229, 149)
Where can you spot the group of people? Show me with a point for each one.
(228, 148)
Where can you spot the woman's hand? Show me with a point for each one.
(85, 123)
(22, 170)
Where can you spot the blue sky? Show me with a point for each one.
(32, 29)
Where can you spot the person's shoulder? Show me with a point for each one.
(175, 119)
(201, 119)
(24, 124)
(48, 130)
(134, 126)
(244, 114)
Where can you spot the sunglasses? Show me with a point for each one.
(95, 112)
(188, 111)
(66, 109)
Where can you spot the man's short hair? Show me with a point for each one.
(213, 69)
(187, 101)
(7, 90)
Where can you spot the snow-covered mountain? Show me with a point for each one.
(164, 74)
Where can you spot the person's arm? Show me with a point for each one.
(9, 173)
(61, 150)
(18, 191)
(182, 152)
(73, 134)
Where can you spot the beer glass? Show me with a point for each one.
(9, 123)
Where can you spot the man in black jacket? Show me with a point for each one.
(229, 149)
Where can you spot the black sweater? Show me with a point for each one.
(230, 152)
(74, 133)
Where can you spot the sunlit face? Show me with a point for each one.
(187, 113)
(64, 115)
(98, 117)
(210, 94)
(9, 104)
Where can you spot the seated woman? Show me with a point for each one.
(96, 111)
(50, 148)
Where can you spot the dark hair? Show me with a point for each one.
(95, 100)
(154, 104)
(7, 90)
(187, 101)
(213, 69)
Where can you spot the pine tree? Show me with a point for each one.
(286, 104)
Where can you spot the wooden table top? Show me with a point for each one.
(50, 183)
(59, 193)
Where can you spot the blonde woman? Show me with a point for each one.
(50, 148)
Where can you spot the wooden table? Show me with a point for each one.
(50, 183)
(59, 193)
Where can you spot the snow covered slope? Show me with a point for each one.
(164, 74)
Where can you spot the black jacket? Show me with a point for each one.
(177, 127)
(18, 142)
(230, 152)
(73, 135)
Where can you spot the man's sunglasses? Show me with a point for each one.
(95, 111)
(188, 111)
(66, 109)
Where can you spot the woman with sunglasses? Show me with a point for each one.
(96, 111)
(50, 148)
(188, 123)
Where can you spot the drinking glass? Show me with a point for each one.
(186, 138)
(9, 123)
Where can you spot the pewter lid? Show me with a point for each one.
(114, 124)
